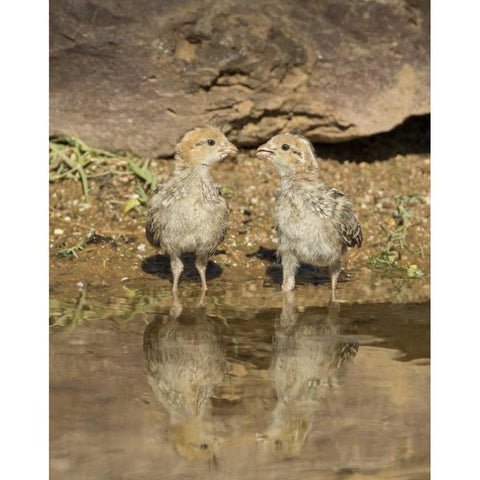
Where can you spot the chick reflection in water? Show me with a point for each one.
(309, 361)
(184, 360)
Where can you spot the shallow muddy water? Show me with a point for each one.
(245, 383)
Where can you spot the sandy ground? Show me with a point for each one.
(119, 250)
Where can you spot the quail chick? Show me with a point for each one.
(315, 224)
(186, 213)
(184, 361)
(309, 362)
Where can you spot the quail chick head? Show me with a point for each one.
(291, 154)
(186, 213)
(315, 224)
(203, 146)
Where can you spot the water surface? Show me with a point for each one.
(245, 383)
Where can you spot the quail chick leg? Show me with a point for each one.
(176, 265)
(290, 266)
(333, 314)
(201, 265)
(334, 271)
(202, 302)
(176, 308)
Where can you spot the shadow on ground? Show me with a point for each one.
(411, 137)
(159, 265)
(306, 273)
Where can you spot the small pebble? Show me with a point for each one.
(80, 284)
(58, 231)
(142, 247)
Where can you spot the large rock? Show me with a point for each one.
(133, 75)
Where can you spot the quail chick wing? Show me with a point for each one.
(346, 221)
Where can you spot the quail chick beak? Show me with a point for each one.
(230, 149)
(263, 152)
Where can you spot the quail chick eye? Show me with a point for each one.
(285, 147)
(211, 142)
(204, 446)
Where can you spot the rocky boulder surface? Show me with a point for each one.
(134, 75)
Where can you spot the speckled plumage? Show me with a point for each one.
(309, 362)
(186, 213)
(315, 224)
(184, 360)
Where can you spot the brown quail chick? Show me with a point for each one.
(309, 362)
(315, 224)
(184, 361)
(186, 213)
